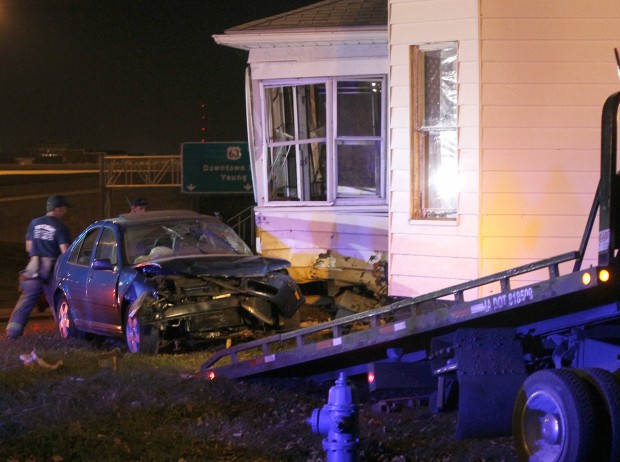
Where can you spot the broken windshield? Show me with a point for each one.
(152, 241)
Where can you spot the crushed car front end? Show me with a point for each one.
(212, 297)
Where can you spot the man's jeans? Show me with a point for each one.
(31, 290)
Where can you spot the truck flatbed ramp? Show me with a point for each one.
(408, 324)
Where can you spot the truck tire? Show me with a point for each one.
(555, 418)
(608, 388)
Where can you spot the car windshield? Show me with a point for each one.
(151, 241)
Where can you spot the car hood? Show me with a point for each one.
(216, 265)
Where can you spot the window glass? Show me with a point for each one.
(441, 174)
(83, 251)
(359, 172)
(282, 165)
(440, 88)
(296, 167)
(283, 162)
(358, 144)
(106, 248)
(320, 153)
(359, 108)
(434, 70)
(296, 112)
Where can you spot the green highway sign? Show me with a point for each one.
(216, 168)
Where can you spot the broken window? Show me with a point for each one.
(325, 140)
(435, 147)
(358, 140)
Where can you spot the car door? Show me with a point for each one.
(102, 282)
(76, 276)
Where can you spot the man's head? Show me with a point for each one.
(138, 205)
(57, 204)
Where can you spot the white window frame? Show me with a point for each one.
(420, 136)
(331, 139)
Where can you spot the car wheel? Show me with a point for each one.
(555, 418)
(64, 319)
(140, 338)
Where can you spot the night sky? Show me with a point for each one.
(125, 75)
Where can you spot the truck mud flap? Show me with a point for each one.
(490, 372)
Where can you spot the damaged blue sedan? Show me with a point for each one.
(170, 277)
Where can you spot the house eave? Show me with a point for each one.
(302, 38)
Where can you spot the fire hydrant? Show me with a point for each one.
(338, 420)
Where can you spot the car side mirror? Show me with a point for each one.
(103, 264)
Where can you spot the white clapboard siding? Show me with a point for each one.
(420, 285)
(426, 256)
(533, 77)
(533, 203)
(324, 244)
(547, 68)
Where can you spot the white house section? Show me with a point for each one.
(350, 123)
(319, 139)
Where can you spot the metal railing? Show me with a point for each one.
(138, 171)
(245, 226)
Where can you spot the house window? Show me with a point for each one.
(435, 147)
(325, 141)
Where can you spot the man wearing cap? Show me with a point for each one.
(138, 205)
(46, 238)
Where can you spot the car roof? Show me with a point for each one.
(159, 215)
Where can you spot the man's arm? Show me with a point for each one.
(28, 246)
(63, 248)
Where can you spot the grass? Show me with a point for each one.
(157, 408)
(141, 408)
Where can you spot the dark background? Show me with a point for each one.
(126, 75)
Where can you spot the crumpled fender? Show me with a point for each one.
(136, 305)
(289, 297)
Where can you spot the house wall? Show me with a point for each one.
(430, 255)
(533, 76)
(344, 244)
(547, 68)
(346, 247)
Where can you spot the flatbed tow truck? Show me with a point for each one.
(540, 361)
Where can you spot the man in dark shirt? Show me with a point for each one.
(46, 238)
(138, 205)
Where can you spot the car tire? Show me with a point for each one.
(555, 418)
(64, 319)
(140, 338)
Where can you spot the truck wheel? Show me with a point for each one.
(608, 389)
(555, 418)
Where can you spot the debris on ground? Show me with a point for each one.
(32, 359)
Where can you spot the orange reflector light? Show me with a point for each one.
(586, 279)
(603, 275)
(371, 377)
(211, 375)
